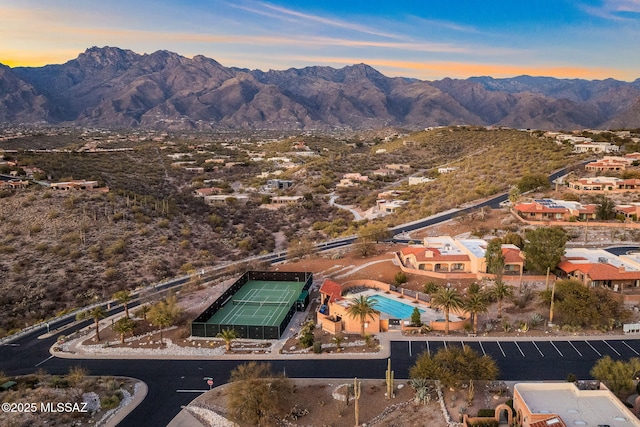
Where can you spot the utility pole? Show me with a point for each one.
(547, 281)
(586, 231)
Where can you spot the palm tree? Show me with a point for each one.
(161, 319)
(362, 307)
(142, 311)
(447, 299)
(96, 314)
(124, 298)
(500, 291)
(164, 313)
(123, 326)
(475, 304)
(227, 335)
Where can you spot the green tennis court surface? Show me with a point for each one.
(258, 303)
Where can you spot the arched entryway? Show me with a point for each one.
(504, 414)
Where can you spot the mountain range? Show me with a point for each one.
(117, 88)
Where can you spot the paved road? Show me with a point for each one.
(173, 383)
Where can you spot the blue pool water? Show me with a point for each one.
(395, 309)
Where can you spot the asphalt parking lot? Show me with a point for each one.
(527, 360)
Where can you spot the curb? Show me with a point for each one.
(137, 399)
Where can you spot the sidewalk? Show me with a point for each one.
(73, 349)
(185, 419)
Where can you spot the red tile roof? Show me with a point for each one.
(627, 209)
(331, 288)
(420, 254)
(534, 207)
(539, 208)
(631, 181)
(599, 271)
(512, 256)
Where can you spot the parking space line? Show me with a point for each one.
(501, 350)
(631, 348)
(554, 346)
(484, 353)
(574, 347)
(48, 358)
(445, 345)
(462, 343)
(593, 348)
(516, 343)
(428, 351)
(611, 347)
(537, 348)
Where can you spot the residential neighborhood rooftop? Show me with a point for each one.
(576, 407)
(594, 256)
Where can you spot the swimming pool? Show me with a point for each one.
(395, 309)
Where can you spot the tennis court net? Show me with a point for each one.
(260, 303)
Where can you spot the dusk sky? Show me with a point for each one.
(425, 39)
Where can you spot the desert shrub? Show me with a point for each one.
(535, 320)
(430, 288)
(486, 412)
(116, 248)
(7, 249)
(483, 423)
(110, 402)
(368, 340)
(57, 381)
(306, 335)
(400, 278)
(317, 347)
(77, 374)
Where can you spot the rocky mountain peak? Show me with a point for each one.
(113, 87)
(106, 57)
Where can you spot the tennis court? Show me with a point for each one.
(258, 305)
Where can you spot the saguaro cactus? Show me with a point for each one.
(389, 380)
(356, 399)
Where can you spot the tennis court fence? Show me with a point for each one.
(201, 328)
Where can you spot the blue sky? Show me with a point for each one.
(425, 39)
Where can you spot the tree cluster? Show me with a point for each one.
(617, 375)
(544, 247)
(454, 365)
(581, 306)
(258, 396)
